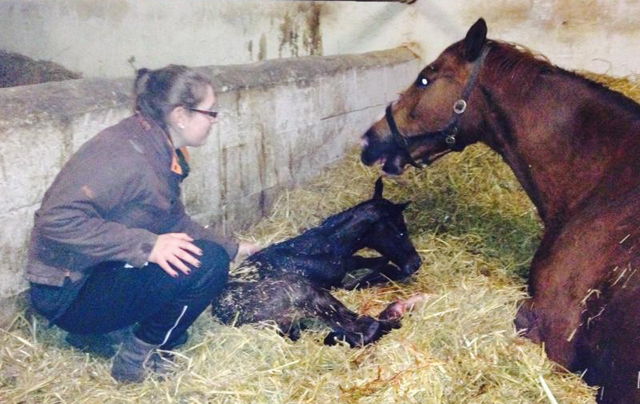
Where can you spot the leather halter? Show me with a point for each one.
(450, 131)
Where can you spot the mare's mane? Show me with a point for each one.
(522, 67)
(516, 64)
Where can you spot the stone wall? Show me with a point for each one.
(281, 122)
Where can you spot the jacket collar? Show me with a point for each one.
(179, 157)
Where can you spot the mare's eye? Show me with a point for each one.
(422, 82)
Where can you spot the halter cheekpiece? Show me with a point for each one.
(450, 131)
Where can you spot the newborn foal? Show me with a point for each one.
(286, 283)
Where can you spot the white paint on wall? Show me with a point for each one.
(98, 38)
(597, 35)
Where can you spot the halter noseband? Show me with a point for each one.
(450, 131)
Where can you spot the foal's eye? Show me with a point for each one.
(422, 82)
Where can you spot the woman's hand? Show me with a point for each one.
(172, 250)
(245, 249)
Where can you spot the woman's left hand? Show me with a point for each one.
(246, 249)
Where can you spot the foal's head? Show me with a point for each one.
(377, 224)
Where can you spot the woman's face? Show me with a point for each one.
(192, 127)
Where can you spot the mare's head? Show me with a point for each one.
(377, 224)
(441, 112)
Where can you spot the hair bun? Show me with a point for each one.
(142, 76)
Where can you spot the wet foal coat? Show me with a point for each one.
(574, 145)
(287, 283)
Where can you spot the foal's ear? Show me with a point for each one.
(475, 40)
(377, 194)
(402, 206)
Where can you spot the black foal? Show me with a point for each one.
(287, 282)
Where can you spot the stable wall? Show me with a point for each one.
(98, 38)
(281, 123)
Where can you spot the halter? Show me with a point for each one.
(450, 131)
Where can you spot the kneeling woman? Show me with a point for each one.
(112, 245)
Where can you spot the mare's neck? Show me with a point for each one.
(566, 141)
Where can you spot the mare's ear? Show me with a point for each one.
(377, 194)
(475, 40)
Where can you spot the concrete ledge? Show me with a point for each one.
(282, 122)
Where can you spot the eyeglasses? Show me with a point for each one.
(212, 114)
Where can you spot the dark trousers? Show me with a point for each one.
(164, 307)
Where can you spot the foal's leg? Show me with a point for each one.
(346, 325)
(388, 318)
(289, 299)
(376, 276)
(358, 262)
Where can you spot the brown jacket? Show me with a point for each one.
(109, 203)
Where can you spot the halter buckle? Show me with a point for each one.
(459, 106)
(450, 140)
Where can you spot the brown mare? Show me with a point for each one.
(574, 145)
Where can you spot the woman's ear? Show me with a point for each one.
(178, 117)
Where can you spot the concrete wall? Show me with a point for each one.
(282, 121)
(98, 38)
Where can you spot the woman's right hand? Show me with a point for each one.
(173, 250)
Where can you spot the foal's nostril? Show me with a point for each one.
(413, 264)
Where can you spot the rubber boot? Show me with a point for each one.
(129, 364)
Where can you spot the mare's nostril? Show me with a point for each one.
(369, 135)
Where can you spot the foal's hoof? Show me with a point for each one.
(396, 310)
(371, 331)
(334, 338)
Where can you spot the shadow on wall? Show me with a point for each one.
(18, 70)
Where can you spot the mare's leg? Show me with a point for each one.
(609, 349)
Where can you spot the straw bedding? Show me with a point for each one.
(476, 232)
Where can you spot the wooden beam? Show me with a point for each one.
(370, 1)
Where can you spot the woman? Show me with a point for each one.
(112, 245)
